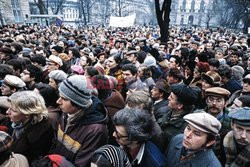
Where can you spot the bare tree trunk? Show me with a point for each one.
(163, 18)
(41, 6)
(88, 10)
(119, 8)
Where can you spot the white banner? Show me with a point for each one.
(127, 21)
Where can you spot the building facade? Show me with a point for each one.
(14, 11)
(193, 13)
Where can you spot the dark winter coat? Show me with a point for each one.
(83, 136)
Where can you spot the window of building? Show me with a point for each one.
(184, 5)
(182, 20)
(192, 6)
(17, 10)
(202, 6)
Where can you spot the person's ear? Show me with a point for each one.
(180, 106)
(13, 90)
(210, 143)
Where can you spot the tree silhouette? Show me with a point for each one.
(162, 14)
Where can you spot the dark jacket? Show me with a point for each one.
(205, 158)
(152, 157)
(232, 85)
(172, 126)
(35, 141)
(160, 109)
(83, 136)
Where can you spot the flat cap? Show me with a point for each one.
(86, 51)
(246, 78)
(131, 52)
(14, 81)
(204, 122)
(186, 94)
(240, 116)
(58, 75)
(217, 91)
(55, 59)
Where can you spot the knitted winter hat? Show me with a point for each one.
(77, 89)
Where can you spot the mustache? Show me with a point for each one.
(212, 107)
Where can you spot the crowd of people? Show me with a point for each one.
(121, 97)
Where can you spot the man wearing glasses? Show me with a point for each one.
(216, 98)
(133, 130)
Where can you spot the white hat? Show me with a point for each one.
(56, 60)
(15, 81)
(150, 61)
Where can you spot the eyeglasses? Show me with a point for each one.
(119, 136)
(214, 99)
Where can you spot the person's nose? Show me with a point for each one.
(244, 134)
(8, 112)
(58, 100)
(188, 135)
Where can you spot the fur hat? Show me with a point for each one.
(213, 78)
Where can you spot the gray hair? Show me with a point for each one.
(29, 103)
(140, 99)
(137, 123)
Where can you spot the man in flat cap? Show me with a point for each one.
(216, 98)
(54, 63)
(180, 103)
(132, 57)
(237, 141)
(11, 84)
(194, 147)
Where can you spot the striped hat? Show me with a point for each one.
(115, 155)
(5, 141)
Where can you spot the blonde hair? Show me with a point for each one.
(29, 103)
